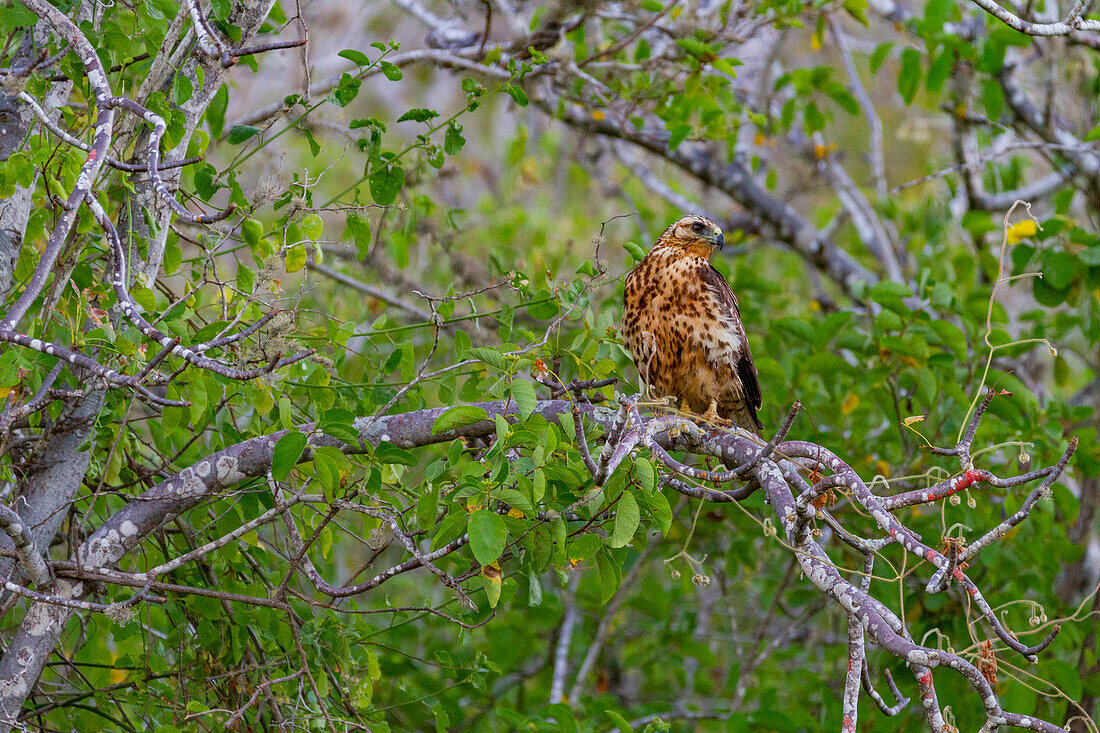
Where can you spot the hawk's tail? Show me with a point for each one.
(744, 416)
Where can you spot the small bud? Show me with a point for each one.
(1025, 457)
(1034, 621)
(955, 500)
(675, 574)
(970, 502)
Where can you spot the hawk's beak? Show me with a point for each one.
(721, 240)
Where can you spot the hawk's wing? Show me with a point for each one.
(743, 367)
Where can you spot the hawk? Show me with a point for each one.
(684, 331)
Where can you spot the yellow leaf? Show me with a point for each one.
(117, 676)
(913, 419)
(492, 571)
(760, 139)
(821, 151)
(491, 577)
(815, 305)
(883, 468)
(515, 513)
(295, 258)
(598, 114)
(851, 402)
(815, 42)
(5, 391)
(1023, 229)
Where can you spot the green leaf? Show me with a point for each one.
(450, 529)
(952, 337)
(490, 356)
(418, 114)
(534, 592)
(524, 395)
(514, 498)
(879, 55)
(909, 75)
(182, 89)
(993, 98)
(144, 297)
(452, 139)
(295, 258)
(890, 294)
(239, 133)
(828, 328)
(287, 452)
(621, 723)
(517, 94)
(355, 56)
(205, 185)
(1090, 256)
(627, 517)
(347, 89)
(646, 475)
(677, 134)
(585, 547)
(978, 223)
(658, 506)
(391, 71)
(340, 424)
(389, 453)
(358, 226)
(427, 506)
(857, 9)
(173, 257)
(457, 417)
(1058, 269)
(1046, 295)
(386, 181)
(940, 71)
(328, 466)
(1093, 134)
(636, 251)
(610, 576)
(695, 47)
(488, 535)
(726, 66)
(252, 232)
(312, 227)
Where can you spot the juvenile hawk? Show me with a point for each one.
(683, 328)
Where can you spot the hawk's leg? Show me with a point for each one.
(711, 416)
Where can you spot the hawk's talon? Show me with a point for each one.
(711, 416)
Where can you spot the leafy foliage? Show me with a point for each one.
(486, 275)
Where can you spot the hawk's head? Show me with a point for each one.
(695, 234)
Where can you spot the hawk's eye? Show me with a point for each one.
(698, 228)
